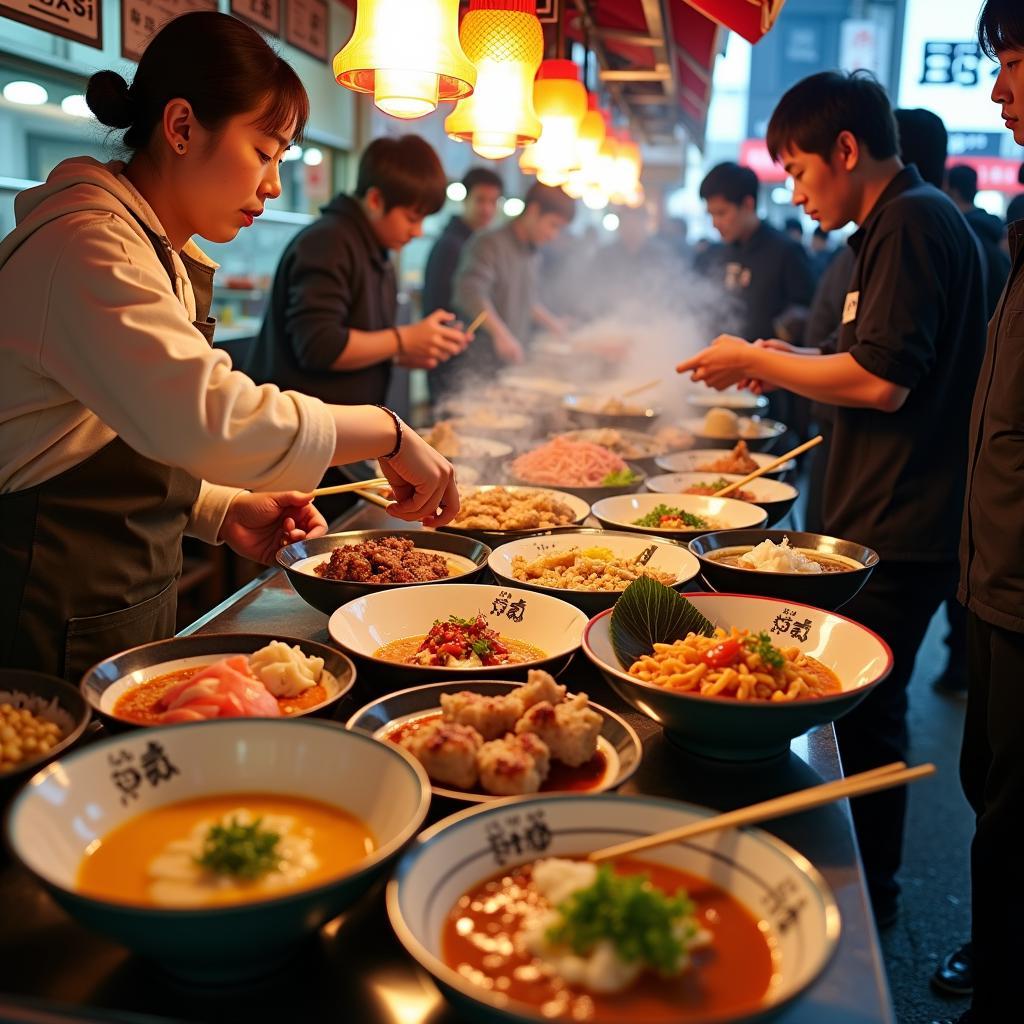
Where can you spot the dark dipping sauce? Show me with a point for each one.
(730, 977)
(561, 777)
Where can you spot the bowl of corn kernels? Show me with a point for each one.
(40, 717)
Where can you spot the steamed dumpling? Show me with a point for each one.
(285, 671)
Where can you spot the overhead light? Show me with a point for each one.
(456, 191)
(513, 206)
(781, 195)
(610, 222)
(292, 153)
(407, 54)
(595, 199)
(312, 157)
(561, 103)
(592, 131)
(31, 94)
(75, 106)
(503, 38)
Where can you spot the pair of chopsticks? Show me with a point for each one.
(768, 467)
(358, 485)
(895, 774)
(477, 322)
(643, 387)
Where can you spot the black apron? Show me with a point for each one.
(90, 560)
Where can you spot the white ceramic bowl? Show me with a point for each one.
(775, 497)
(363, 626)
(76, 801)
(725, 728)
(691, 461)
(657, 553)
(458, 853)
(618, 740)
(620, 513)
(761, 436)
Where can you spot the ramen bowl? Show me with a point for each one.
(734, 730)
(666, 556)
(622, 513)
(50, 699)
(459, 853)
(589, 494)
(74, 805)
(830, 590)
(578, 508)
(619, 747)
(466, 559)
(760, 434)
(604, 411)
(642, 449)
(774, 496)
(114, 677)
(545, 630)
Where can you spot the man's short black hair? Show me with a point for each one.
(551, 200)
(963, 180)
(815, 110)
(482, 177)
(1015, 210)
(1001, 26)
(730, 182)
(406, 171)
(923, 141)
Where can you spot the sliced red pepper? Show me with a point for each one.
(725, 653)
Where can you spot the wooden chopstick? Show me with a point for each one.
(477, 322)
(889, 775)
(374, 499)
(643, 387)
(769, 466)
(377, 481)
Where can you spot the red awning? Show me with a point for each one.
(749, 18)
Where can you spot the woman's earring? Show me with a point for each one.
(181, 147)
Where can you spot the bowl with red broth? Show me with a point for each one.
(498, 906)
(776, 669)
(589, 748)
(217, 849)
(217, 675)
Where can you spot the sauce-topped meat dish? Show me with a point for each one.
(388, 560)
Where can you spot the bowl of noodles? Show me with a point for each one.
(589, 471)
(609, 411)
(736, 677)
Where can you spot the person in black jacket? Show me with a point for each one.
(899, 373)
(329, 329)
(483, 193)
(962, 187)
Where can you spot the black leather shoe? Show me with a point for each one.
(955, 974)
(886, 909)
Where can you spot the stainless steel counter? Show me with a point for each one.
(356, 971)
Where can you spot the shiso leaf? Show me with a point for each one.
(648, 613)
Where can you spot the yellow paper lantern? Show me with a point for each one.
(591, 132)
(407, 53)
(504, 40)
(561, 104)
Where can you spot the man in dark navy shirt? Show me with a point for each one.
(483, 193)
(901, 374)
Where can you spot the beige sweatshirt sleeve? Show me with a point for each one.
(209, 510)
(119, 341)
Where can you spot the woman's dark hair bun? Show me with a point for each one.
(109, 99)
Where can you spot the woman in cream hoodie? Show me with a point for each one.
(121, 429)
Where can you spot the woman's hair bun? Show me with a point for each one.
(109, 99)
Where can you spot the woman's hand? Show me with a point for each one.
(423, 482)
(257, 525)
(724, 363)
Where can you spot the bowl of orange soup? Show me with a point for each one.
(500, 906)
(215, 849)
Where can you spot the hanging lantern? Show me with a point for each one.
(407, 54)
(528, 161)
(503, 38)
(625, 172)
(561, 104)
(592, 131)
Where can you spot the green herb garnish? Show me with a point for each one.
(243, 851)
(648, 613)
(641, 922)
(659, 512)
(619, 478)
(761, 643)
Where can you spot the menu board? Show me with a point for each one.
(142, 19)
(264, 14)
(79, 20)
(306, 27)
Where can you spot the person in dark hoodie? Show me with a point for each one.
(962, 187)
(483, 193)
(330, 329)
